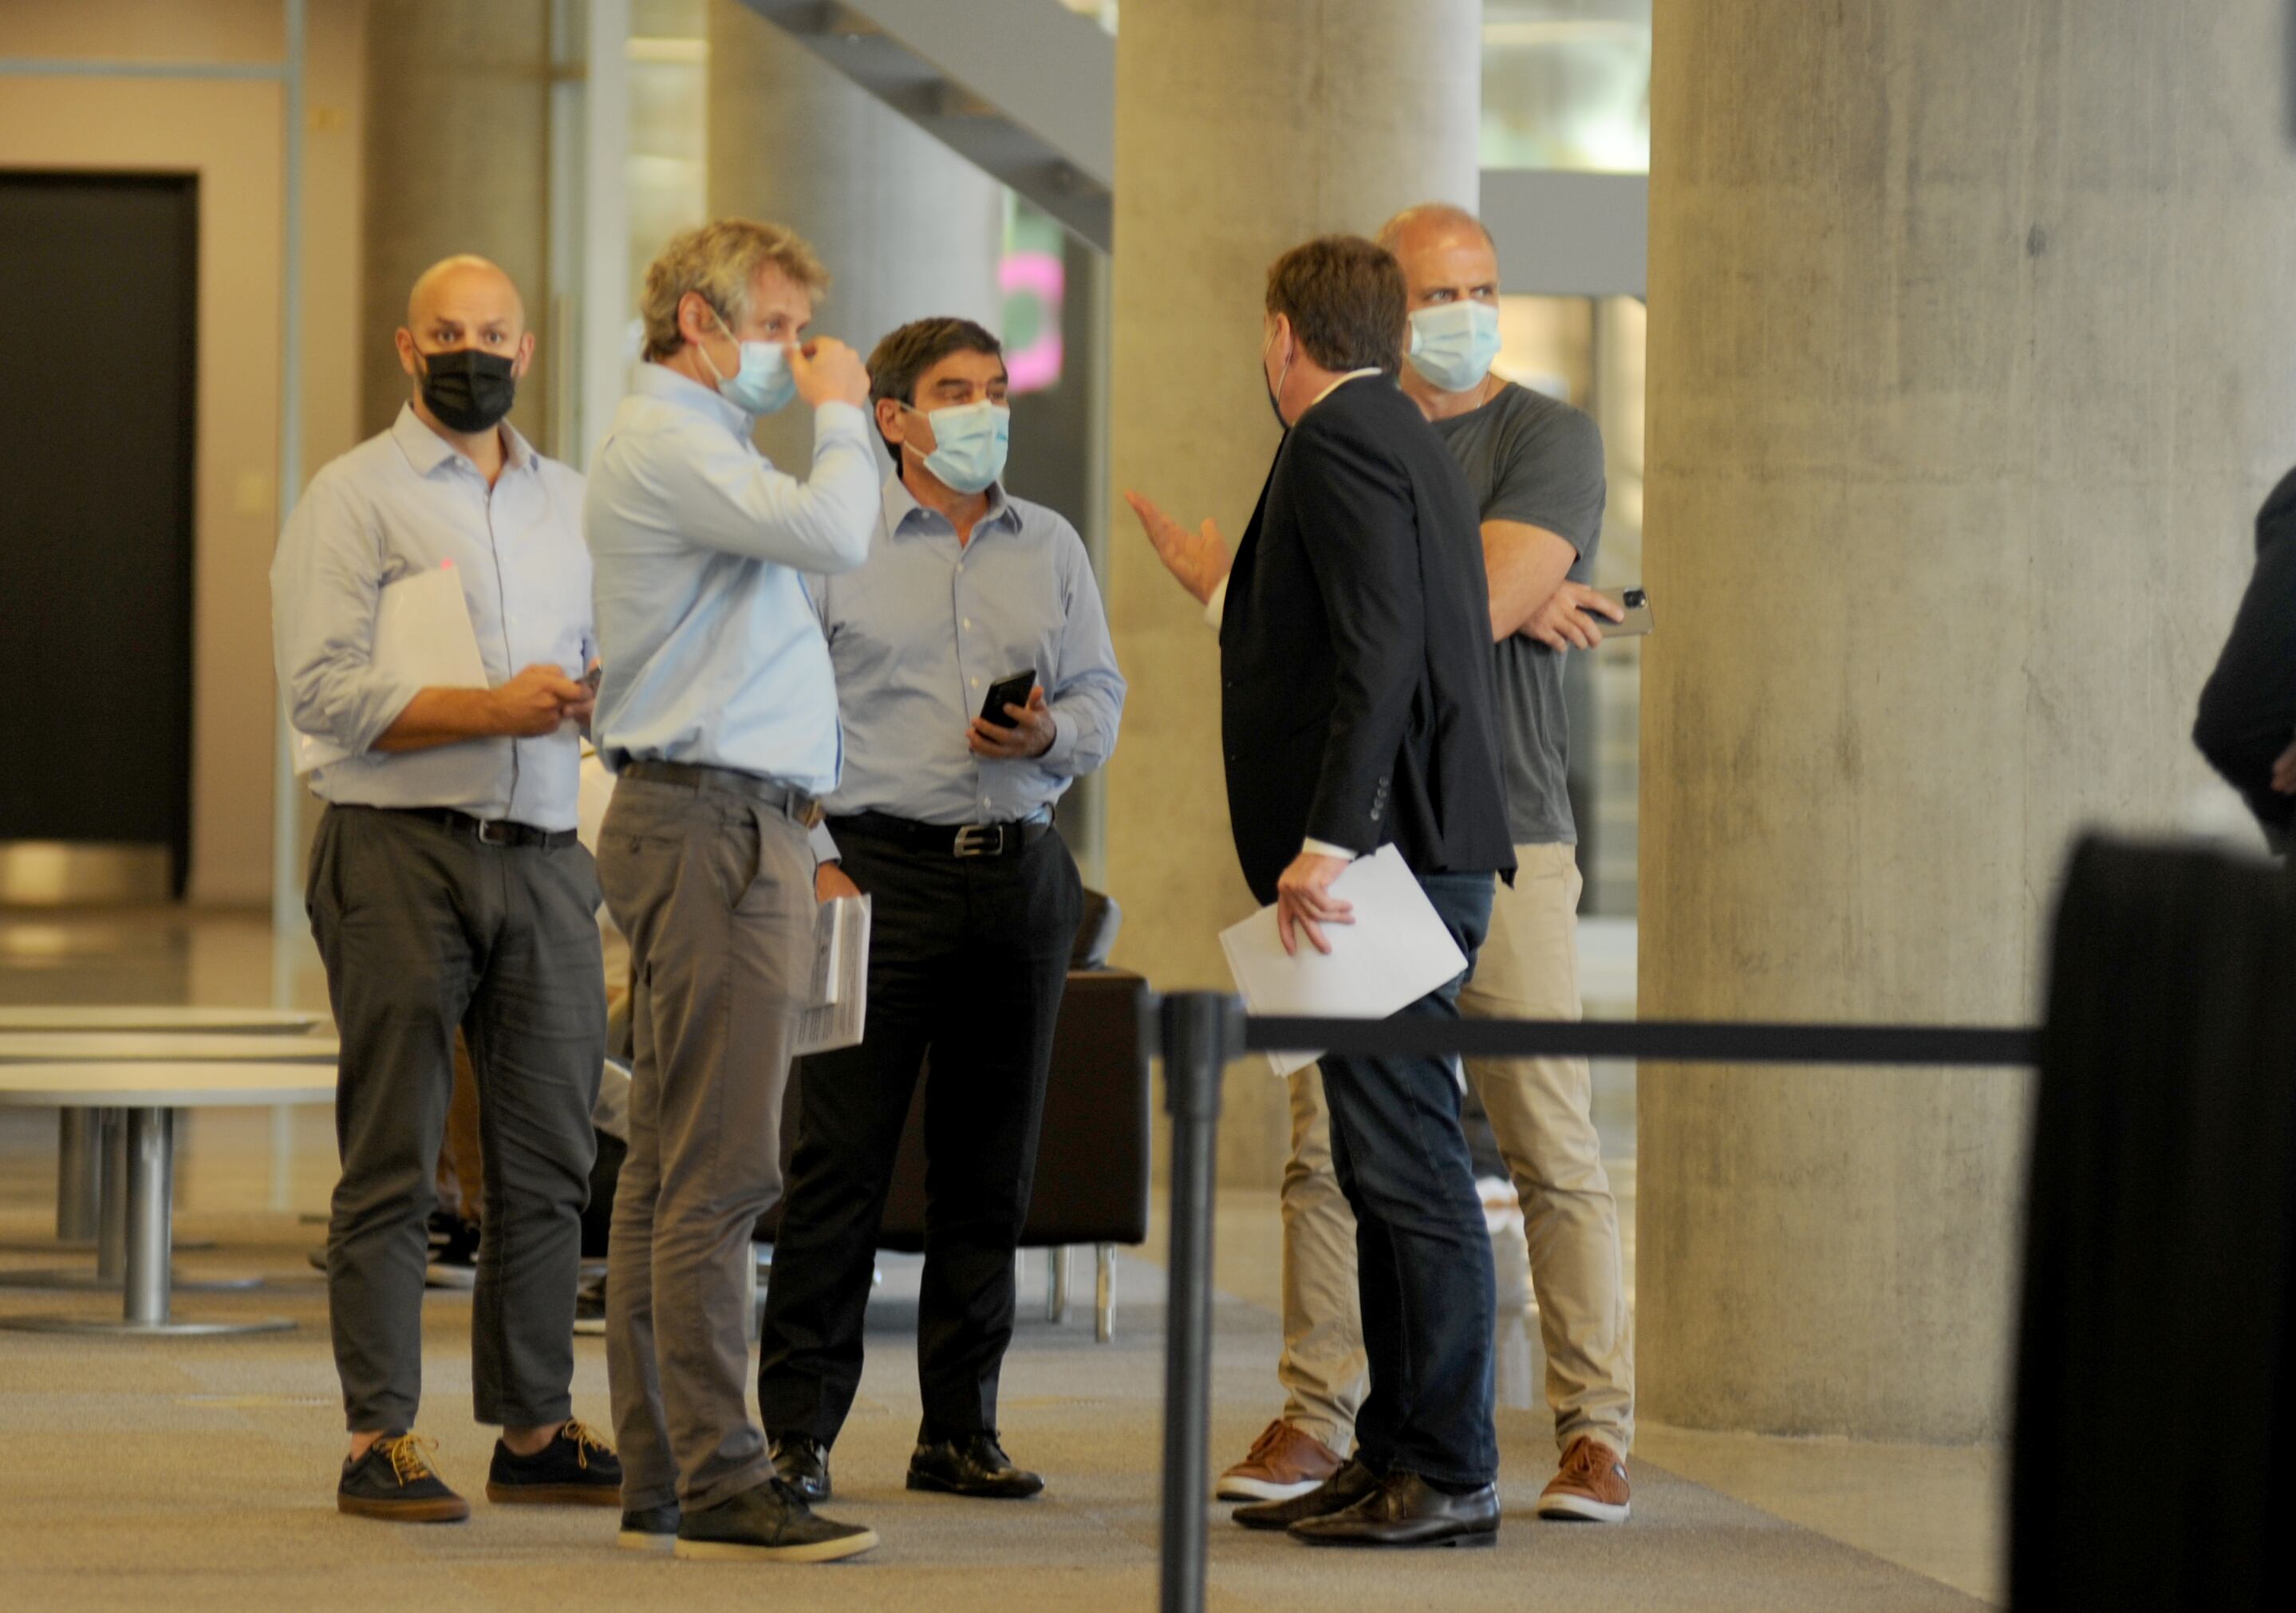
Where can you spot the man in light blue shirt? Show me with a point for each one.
(446, 889)
(719, 715)
(945, 818)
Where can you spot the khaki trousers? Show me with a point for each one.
(1541, 1111)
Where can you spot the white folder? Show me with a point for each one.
(1397, 951)
(423, 634)
(839, 1002)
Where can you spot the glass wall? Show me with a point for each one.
(1566, 85)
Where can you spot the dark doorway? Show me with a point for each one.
(98, 312)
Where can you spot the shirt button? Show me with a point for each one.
(976, 682)
(966, 623)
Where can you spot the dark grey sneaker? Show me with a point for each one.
(769, 1524)
(590, 1308)
(575, 1469)
(649, 1530)
(396, 1481)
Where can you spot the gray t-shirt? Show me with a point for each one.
(1531, 458)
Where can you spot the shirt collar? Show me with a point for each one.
(900, 504)
(426, 450)
(655, 379)
(1341, 381)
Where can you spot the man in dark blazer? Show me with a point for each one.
(1356, 712)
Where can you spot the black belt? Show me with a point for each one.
(490, 832)
(949, 839)
(794, 804)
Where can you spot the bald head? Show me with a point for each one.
(1447, 254)
(464, 287)
(463, 304)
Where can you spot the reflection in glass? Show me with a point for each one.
(1566, 85)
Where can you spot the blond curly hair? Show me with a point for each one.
(720, 259)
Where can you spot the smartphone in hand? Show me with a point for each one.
(1010, 690)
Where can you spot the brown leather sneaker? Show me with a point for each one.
(1281, 1464)
(1591, 1487)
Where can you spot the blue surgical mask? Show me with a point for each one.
(763, 385)
(1454, 343)
(971, 442)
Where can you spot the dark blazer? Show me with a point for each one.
(2248, 711)
(1355, 700)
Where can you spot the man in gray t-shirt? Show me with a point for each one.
(1537, 461)
(1536, 468)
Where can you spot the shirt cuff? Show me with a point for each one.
(1312, 846)
(824, 846)
(1061, 755)
(1215, 606)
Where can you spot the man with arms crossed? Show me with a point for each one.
(719, 715)
(1535, 466)
(1355, 712)
(945, 818)
(446, 888)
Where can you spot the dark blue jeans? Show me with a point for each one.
(1422, 1256)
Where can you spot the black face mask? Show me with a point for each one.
(468, 389)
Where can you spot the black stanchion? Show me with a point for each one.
(1202, 1030)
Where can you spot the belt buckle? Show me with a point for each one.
(500, 831)
(975, 841)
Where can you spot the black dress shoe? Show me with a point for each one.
(970, 1464)
(1341, 1490)
(803, 1464)
(1406, 1511)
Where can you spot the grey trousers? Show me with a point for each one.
(423, 929)
(713, 887)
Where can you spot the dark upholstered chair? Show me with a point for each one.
(1092, 1164)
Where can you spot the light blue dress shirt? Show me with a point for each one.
(406, 502)
(922, 629)
(713, 654)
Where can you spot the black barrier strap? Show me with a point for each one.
(1670, 1040)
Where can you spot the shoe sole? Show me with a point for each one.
(937, 1488)
(638, 1539)
(452, 1509)
(734, 1551)
(1583, 1509)
(1261, 1489)
(455, 1278)
(590, 1330)
(1483, 1537)
(554, 1494)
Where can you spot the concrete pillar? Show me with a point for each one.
(457, 161)
(1969, 361)
(1243, 127)
(907, 226)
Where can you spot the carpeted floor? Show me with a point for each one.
(198, 1475)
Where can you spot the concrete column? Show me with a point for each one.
(457, 161)
(907, 226)
(1969, 361)
(1243, 127)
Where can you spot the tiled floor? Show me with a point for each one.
(1930, 1509)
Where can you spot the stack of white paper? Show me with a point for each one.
(423, 635)
(840, 977)
(1394, 952)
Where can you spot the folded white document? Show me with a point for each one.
(423, 634)
(1394, 952)
(839, 1002)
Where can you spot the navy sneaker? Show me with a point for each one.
(575, 1469)
(395, 1480)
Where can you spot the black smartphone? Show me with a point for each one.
(1634, 602)
(1010, 690)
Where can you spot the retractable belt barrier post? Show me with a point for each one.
(1198, 1033)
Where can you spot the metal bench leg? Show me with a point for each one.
(1103, 1319)
(1056, 1283)
(145, 1221)
(79, 1174)
(111, 1126)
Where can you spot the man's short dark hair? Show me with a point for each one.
(906, 354)
(1345, 300)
